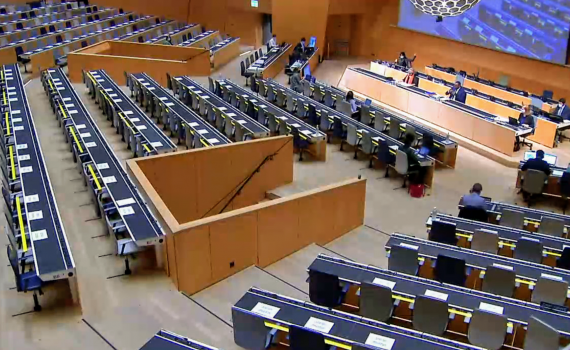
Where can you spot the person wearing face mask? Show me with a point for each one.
(411, 78)
(525, 117)
(405, 61)
(562, 109)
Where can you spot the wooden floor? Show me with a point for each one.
(123, 312)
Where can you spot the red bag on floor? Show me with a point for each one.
(417, 190)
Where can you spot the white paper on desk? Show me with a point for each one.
(213, 141)
(384, 283)
(102, 166)
(16, 120)
(491, 308)
(35, 215)
(551, 277)
(22, 146)
(231, 114)
(72, 111)
(202, 131)
(31, 198)
(135, 120)
(90, 144)
(117, 100)
(193, 124)
(85, 134)
(406, 245)
(38, 235)
(126, 211)
(125, 201)
(109, 179)
(169, 104)
(112, 95)
(319, 325)
(296, 125)
(380, 342)
(242, 121)
(222, 108)
(156, 144)
(265, 310)
(16, 111)
(306, 132)
(140, 127)
(163, 98)
(436, 295)
(26, 169)
(151, 88)
(24, 157)
(18, 128)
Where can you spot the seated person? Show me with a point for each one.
(474, 199)
(538, 163)
(562, 110)
(296, 84)
(525, 117)
(413, 161)
(411, 78)
(353, 107)
(273, 41)
(457, 93)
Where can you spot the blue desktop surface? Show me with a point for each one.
(533, 28)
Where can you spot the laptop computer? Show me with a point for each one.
(368, 102)
(513, 121)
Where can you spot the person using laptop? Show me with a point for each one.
(353, 107)
(273, 41)
(525, 118)
(474, 199)
(537, 163)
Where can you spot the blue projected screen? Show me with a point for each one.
(532, 28)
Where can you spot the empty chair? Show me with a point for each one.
(487, 329)
(379, 121)
(376, 302)
(43, 31)
(404, 260)
(290, 105)
(305, 339)
(540, 336)
(270, 94)
(262, 89)
(528, 249)
(550, 290)
(51, 28)
(328, 100)
(485, 241)
(564, 261)
(430, 315)
(365, 117)
(394, 131)
(450, 270)
(551, 226)
(443, 232)
(307, 88)
(325, 124)
(512, 218)
(366, 144)
(401, 166)
(344, 107)
(244, 72)
(256, 55)
(283, 129)
(499, 281)
(318, 95)
(324, 289)
(272, 123)
(281, 97)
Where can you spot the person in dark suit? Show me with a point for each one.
(405, 61)
(562, 110)
(537, 163)
(525, 117)
(296, 84)
(411, 77)
(457, 93)
(302, 45)
(413, 161)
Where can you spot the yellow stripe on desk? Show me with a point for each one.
(392, 151)
(76, 140)
(276, 326)
(512, 245)
(7, 125)
(204, 143)
(50, 85)
(21, 222)
(408, 300)
(460, 313)
(532, 222)
(463, 235)
(91, 77)
(12, 164)
(551, 253)
(147, 149)
(530, 283)
(63, 111)
(337, 344)
(4, 94)
(94, 176)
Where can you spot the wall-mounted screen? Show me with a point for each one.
(534, 28)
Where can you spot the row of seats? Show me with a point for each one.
(38, 250)
(22, 15)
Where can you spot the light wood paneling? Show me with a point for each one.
(192, 253)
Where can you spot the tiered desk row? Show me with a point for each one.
(129, 221)
(38, 248)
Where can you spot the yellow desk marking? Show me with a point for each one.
(7, 125)
(13, 166)
(147, 149)
(94, 176)
(204, 143)
(76, 140)
(463, 235)
(21, 221)
(63, 111)
(460, 313)
(327, 341)
(530, 283)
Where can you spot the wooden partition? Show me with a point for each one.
(117, 57)
(226, 54)
(205, 246)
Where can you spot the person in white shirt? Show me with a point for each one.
(273, 41)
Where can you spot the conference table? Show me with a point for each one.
(518, 97)
(201, 40)
(166, 340)
(224, 51)
(405, 288)
(271, 63)
(312, 61)
(177, 36)
(462, 119)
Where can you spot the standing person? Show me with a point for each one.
(457, 93)
(296, 84)
(474, 199)
(562, 109)
(405, 61)
(273, 41)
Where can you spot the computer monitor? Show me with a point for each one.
(443, 232)
(549, 158)
(307, 70)
(313, 41)
(368, 102)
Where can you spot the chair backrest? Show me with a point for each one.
(324, 289)
(512, 218)
(306, 88)
(550, 290)
(401, 165)
(242, 68)
(219, 120)
(290, 106)
(344, 108)
(485, 241)
(202, 107)
(283, 129)
(329, 102)
(528, 249)
(229, 127)
(540, 336)
(534, 181)
(499, 281)
(256, 55)
(305, 339)
(487, 330)
(564, 261)
(366, 144)
(324, 121)
(233, 98)
(261, 116)
(450, 270)
(351, 135)
(430, 315)
(280, 98)
(270, 94)
(404, 260)
(240, 133)
(376, 302)
(365, 117)
(474, 213)
(272, 122)
(254, 331)
(551, 226)
(394, 131)
(262, 88)
(379, 123)
(443, 232)
(247, 62)
(565, 184)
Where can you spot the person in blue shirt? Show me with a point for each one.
(457, 93)
(353, 107)
(474, 199)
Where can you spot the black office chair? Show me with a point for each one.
(96, 17)
(168, 81)
(256, 55)
(33, 14)
(299, 142)
(43, 31)
(474, 213)
(121, 11)
(140, 39)
(324, 289)
(89, 18)
(157, 20)
(565, 189)
(244, 72)
(88, 10)
(450, 270)
(130, 17)
(338, 130)
(2, 11)
(24, 15)
(19, 26)
(83, 44)
(51, 28)
(564, 261)
(260, 52)
(305, 339)
(95, 9)
(58, 38)
(68, 24)
(135, 28)
(443, 232)
(19, 51)
(111, 23)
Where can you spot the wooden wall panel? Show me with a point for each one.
(294, 19)
(192, 248)
(233, 245)
(171, 269)
(340, 7)
(278, 232)
(247, 25)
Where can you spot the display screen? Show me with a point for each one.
(533, 28)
